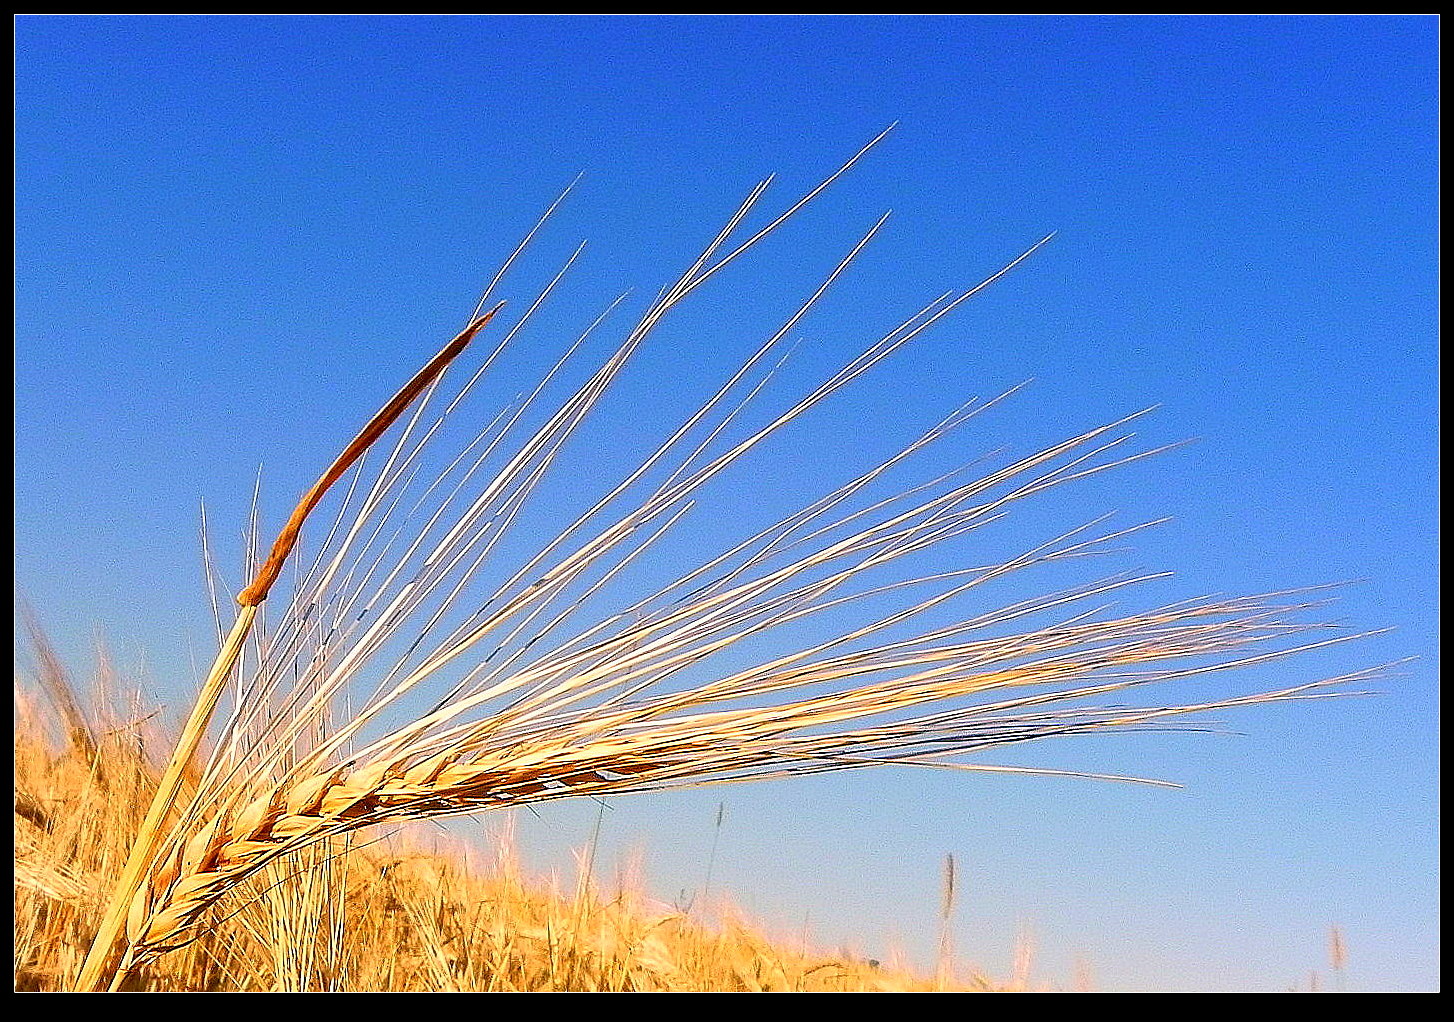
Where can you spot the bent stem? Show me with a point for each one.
(100, 970)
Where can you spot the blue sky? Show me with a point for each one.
(235, 237)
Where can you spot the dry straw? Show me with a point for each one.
(393, 687)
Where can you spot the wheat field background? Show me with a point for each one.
(412, 913)
(237, 237)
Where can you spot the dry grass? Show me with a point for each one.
(420, 666)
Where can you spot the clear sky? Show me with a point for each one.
(235, 237)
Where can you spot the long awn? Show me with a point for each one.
(379, 695)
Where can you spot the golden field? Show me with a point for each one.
(393, 915)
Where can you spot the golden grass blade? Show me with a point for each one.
(57, 685)
(99, 969)
(257, 591)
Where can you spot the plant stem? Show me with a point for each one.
(100, 965)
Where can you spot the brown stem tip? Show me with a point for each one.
(288, 538)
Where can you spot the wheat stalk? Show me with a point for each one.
(535, 694)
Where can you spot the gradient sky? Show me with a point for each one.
(235, 237)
